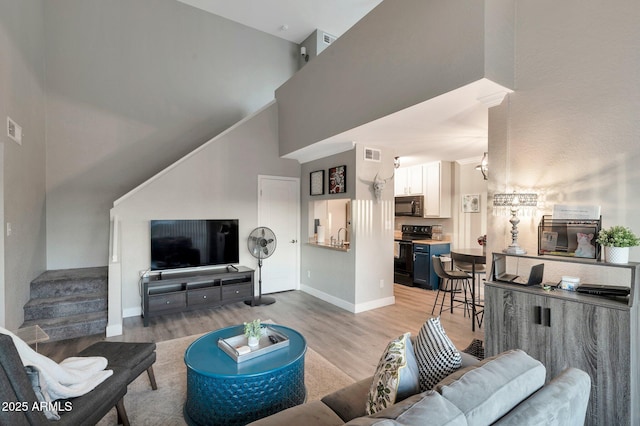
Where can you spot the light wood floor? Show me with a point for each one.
(353, 342)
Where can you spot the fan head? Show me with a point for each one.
(261, 242)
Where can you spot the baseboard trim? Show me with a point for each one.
(347, 306)
(132, 312)
(375, 304)
(114, 330)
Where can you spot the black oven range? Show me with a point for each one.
(403, 252)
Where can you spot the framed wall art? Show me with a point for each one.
(471, 203)
(338, 180)
(316, 182)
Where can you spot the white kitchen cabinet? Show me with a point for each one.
(409, 181)
(437, 194)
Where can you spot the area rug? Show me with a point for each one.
(164, 406)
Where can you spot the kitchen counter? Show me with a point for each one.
(431, 242)
(344, 247)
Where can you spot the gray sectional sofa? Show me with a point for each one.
(507, 389)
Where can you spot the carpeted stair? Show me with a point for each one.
(69, 303)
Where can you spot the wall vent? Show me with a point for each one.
(14, 131)
(371, 154)
(328, 38)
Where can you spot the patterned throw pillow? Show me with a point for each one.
(437, 356)
(396, 377)
(475, 349)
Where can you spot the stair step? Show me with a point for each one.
(72, 326)
(65, 306)
(67, 282)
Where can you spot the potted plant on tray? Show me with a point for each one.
(616, 242)
(253, 332)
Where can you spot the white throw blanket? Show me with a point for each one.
(73, 377)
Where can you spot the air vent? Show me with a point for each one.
(328, 38)
(371, 154)
(14, 131)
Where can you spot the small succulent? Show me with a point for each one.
(253, 329)
(617, 236)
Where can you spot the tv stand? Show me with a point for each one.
(170, 293)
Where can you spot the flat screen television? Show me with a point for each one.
(179, 244)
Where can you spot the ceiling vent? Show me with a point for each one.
(371, 154)
(328, 38)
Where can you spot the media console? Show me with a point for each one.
(186, 291)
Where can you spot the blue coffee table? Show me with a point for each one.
(221, 391)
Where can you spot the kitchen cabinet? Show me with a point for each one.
(567, 329)
(437, 193)
(409, 181)
(423, 274)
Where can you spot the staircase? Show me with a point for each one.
(69, 303)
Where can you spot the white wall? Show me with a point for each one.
(570, 130)
(132, 87)
(468, 226)
(22, 167)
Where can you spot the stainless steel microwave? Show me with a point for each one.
(410, 205)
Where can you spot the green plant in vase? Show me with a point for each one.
(616, 242)
(253, 332)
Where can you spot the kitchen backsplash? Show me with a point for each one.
(447, 224)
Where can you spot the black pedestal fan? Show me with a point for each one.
(261, 244)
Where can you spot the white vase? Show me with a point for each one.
(616, 254)
(254, 341)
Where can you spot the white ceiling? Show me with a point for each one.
(300, 17)
(452, 127)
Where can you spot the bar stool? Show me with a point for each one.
(462, 263)
(451, 282)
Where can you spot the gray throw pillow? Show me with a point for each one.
(436, 354)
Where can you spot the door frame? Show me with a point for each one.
(295, 180)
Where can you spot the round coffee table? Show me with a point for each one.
(222, 391)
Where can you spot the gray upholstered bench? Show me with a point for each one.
(136, 357)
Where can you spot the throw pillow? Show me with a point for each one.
(475, 349)
(436, 354)
(396, 377)
(40, 389)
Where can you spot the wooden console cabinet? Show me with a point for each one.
(567, 329)
(193, 290)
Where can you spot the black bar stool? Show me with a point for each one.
(451, 282)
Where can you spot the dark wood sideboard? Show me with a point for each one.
(169, 293)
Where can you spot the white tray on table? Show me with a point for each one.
(264, 346)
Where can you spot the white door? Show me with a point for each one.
(279, 209)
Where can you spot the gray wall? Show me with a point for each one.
(570, 130)
(353, 281)
(337, 282)
(219, 180)
(23, 167)
(402, 53)
(132, 86)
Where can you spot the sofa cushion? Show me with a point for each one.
(436, 354)
(414, 411)
(568, 394)
(349, 402)
(487, 391)
(396, 377)
(314, 413)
